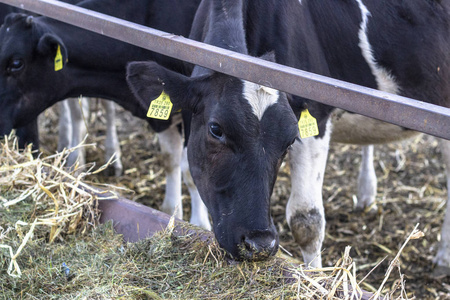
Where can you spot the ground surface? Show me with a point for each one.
(411, 190)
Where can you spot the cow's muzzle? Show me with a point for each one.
(258, 245)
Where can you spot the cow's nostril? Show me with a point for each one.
(257, 248)
(250, 245)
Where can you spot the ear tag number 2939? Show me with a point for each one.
(307, 125)
(160, 108)
(58, 59)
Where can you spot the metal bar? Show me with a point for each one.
(409, 113)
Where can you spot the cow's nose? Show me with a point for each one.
(258, 245)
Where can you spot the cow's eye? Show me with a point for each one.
(15, 65)
(215, 130)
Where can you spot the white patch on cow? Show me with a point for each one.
(259, 97)
(385, 80)
(172, 149)
(442, 259)
(72, 128)
(367, 179)
(199, 212)
(112, 143)
(307, 161)
(65, 126)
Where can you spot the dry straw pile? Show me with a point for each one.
(40, 197)
(51, 247)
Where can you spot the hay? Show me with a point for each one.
(188, 268)
(415, 194)
(52, 248)
(40, 197)
(98, 266)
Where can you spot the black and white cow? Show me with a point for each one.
(405, 45)
(240, 131)
(93, 66)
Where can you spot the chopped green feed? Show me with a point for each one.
(97, 265)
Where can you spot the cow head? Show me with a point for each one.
(27, 70)
(240, 133)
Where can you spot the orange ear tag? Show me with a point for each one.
(307, 125)
(160, 108)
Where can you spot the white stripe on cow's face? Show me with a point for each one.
(385, 80)
(259, 97)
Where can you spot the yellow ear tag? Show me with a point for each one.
(307, 125)
(160, 108)
(58, 59)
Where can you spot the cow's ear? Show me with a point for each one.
(296, 105)
(51, 45)
(147, 80)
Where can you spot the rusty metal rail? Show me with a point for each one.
(409, 113)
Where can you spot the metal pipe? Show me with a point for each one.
(409, 113)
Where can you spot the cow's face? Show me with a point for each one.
(240, 133)
(27, 70)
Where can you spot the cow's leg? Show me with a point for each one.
(65, 126)
(442, 259)
(199, 212)
(172, 148)
(78, 129)
(112, 144)
(305, 212)
(367, 179)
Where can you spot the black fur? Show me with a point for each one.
(95, 65)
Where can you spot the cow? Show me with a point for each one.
(397, 46)
(28, 134)
(88, 64)
(411, 59)
(240, 131)
(72, 128)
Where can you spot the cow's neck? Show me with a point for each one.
(106, 85)
(91, 50)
